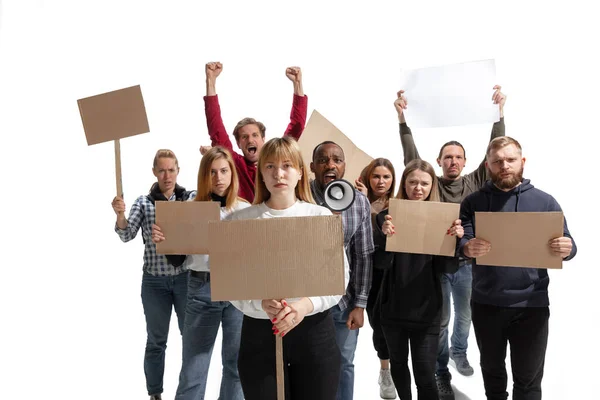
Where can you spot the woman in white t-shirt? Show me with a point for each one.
(311, 355)
(217, 181)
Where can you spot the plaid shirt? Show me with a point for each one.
(358, 242)
(143, 214)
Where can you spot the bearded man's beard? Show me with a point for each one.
(508, 182)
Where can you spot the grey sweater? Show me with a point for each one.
(451, 191)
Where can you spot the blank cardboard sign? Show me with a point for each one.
(318, 129)
(276, 258)
(185, 225)
(519, 239)
(421, 227)
(113, 115)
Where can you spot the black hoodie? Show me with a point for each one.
(508, 286)
(411, 294)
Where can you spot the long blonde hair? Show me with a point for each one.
(205, 181)
(282, 149)
(417, 164)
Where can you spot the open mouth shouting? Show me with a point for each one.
(329, 176)
(251, 149)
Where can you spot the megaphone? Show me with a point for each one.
(339, 195)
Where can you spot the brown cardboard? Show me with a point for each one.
(185, 225)
(276, 258)
(421, 227)
(519, 239)
(118, 168)
(279, 367)
(318, 129)
(113, 115)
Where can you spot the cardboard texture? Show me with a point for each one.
(318, 129)
(118, 175)
(519, 239)
(185, 225)
(279, 367)
(276, 258)
(113, 115)
(421, 227)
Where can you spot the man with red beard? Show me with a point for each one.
(249, 133)
(510, 304)
(456, 283)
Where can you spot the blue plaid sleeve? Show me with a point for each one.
(134, 222)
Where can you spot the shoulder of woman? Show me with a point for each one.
(245, 211)
(314, 209)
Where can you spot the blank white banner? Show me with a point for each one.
(451, 95)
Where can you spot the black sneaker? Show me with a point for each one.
(444, 388)
(462, 364)
(156, 397)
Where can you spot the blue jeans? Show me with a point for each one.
(159, 295)
(202, 320)
(346, 340)
(459, 285)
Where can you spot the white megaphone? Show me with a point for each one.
(339, 195)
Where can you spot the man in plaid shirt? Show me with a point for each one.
(164, 281)
(328, 164)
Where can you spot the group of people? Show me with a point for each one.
(407, 296)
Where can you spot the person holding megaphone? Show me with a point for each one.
(330, 190)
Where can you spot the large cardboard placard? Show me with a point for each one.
(185, 225)
(421, 227)
(113, 115)
(318, 129)
(276, 258)
(520, 239)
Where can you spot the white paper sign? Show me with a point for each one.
(451, 95)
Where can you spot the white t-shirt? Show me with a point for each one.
(199, 262)
(253, 308)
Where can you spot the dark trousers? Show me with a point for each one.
(526, 330)
(379, 342)
(423, 350)
(310, 353)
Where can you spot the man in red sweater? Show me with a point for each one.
(249, 134)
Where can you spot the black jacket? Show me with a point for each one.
(508, 286)
(411, 294)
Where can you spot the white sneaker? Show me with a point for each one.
(387, 390)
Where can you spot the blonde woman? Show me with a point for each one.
(217, 181)
(311, 355)
(409, 304)
(164, 281)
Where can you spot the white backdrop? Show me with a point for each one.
(72, 320)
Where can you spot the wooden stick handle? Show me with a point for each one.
(118, 168)
(279, 367)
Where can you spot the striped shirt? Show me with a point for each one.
(358, 242)
(142, 215)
